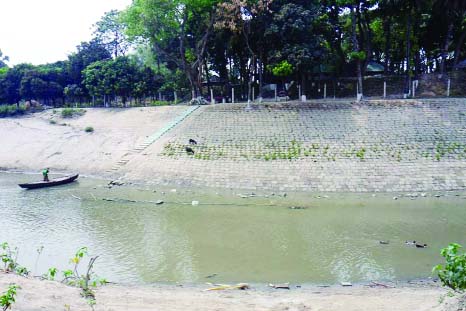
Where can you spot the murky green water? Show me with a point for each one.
(256, 239)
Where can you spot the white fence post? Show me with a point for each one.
(414, 88)
(448, 88)
(212, 100)
(232, 95)
(176, 97)
(385, 89)
(325, 90)
(276, 95)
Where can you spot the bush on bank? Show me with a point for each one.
(453, 274)
(12, 110)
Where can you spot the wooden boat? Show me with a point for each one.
(51, 183)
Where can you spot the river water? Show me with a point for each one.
(334, 238)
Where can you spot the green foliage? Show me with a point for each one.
(84, 281)
(71, 112)
(453, 274)
(361, 153)
(9, 257)
(361, 55)
(51, 273)
(89, 129)
(282, 69)
(8, 298)
(157, 103)
(12, 110)
(111, 33)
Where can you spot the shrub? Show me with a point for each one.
(89, 129)
(160, 103)
(11, 110)
(71, 112)
(453, 274)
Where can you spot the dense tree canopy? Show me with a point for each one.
(197, 44)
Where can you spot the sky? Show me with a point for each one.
(46, 31)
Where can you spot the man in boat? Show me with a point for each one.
(45, 174)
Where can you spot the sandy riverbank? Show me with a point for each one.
(46, 295)
(45, 139)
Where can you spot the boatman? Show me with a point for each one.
(45, 174)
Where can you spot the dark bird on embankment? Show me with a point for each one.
(189, 150)
(192, 142)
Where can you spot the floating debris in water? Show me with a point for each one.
(384, 242)
(297, 207)
(116, 183)
(280, 286)
(242, 286)
(195, 203)
(159, 202)
(346, 284)
(247, 195)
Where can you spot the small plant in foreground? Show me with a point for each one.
(9, 297)
(9, 257)
(51, 273)
(85, 281)
(453, 274)
(89, 129)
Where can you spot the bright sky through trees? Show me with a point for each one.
(43, 31)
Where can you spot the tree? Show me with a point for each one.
(88, 53)
(111, 33)
(453, 11)
(239, 16)
(178, 30)
(294, 31)
(121, 77)
(3, 60)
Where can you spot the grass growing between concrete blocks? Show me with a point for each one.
(273, 150)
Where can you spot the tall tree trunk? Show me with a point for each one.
(261, 67)
(387, 30)
(446, 45)
(417, 56)
(356, 49)
(459, 44)
(408, 52)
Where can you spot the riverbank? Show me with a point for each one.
(46, 295)
(331, 146)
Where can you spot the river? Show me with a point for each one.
(230, 236)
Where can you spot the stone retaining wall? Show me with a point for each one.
(321, 146)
